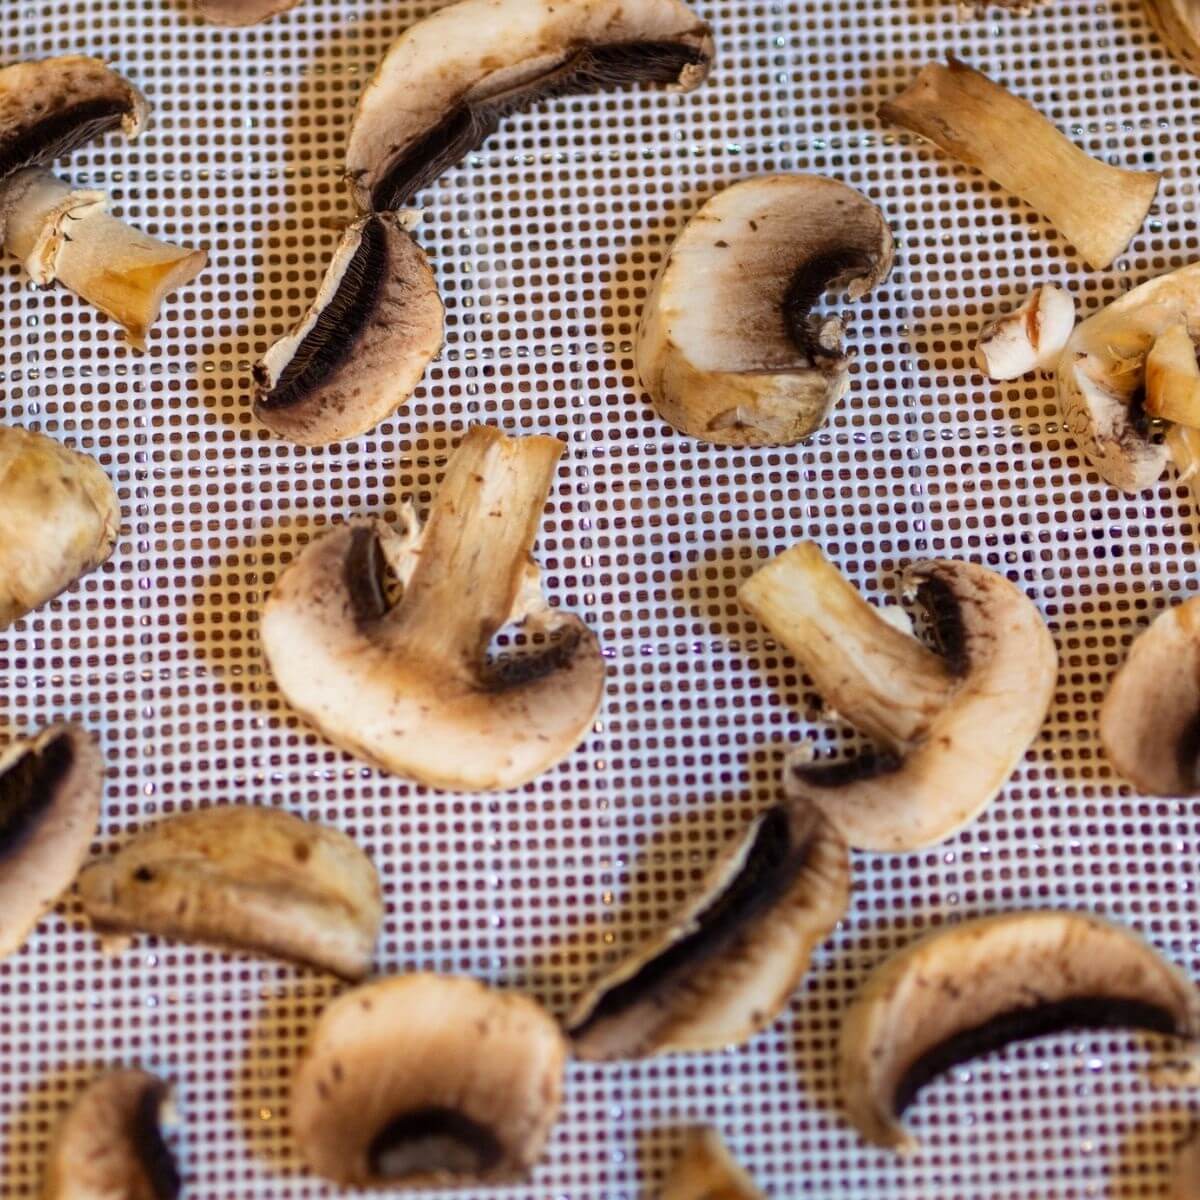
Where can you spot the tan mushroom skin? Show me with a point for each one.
(705, 1170)
(242, 12)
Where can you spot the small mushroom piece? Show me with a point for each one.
(973, 988)
(425, 1081)
(705, 1170)
(951, 726)
(452, 77)
(730, 961)
(363, 345)
(1173, 377)
(1096, 207)
(50, 791)
(1185, 1175)
(1150, 719)
(1177, 22)
(727, 345)
(59, 519)
(110, 1145)
(406, 683)
(1101, 378)
(1030, 338)
(242, 12)
(249, 878)
(1183, 445)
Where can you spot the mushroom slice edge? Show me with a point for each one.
(706, 1170)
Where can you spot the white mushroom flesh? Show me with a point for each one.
(1030, 338)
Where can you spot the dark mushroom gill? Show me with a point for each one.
(468, 125)
(365, 573)
(156, 1160)
(64, 130)
(431, 1140)
(813, 278)
(871, 764)
(947, 630)
(28, 789)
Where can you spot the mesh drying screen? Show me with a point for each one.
(544, 243)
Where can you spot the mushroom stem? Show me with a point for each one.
(64, 234)
(882, 680)
(1097, 207)
(1184, 445)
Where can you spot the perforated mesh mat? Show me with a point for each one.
(544, 244)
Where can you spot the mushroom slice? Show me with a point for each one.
(59, 518)
(705, 1170)
(1177, 22)
(407, 684)
(110, 1144)
(249, 878)
(1185, 1177)
(1101, 378)
(243, 12)
(1096, 207)
(970, 989)
(732, 958)
(1030, 338)
(1150, 719)
(427, 1080)
(727, 346)
(363, 346)
(1173, 377)
(951, 727)
(451, 78)
(50, 791)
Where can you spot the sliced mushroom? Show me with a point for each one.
(50, 791)
(406, 684)
(727, 345)
(1030, 338)
(951, 726)
(110, 1144)
(1173, 377)
(447, 83)
(243, 12)
(1096, 207)
(706, 1170)
(730, 961)
(1185, 1176)
(59, 519)
(249, 878)
(362, 347)
(1101, 378)
(1150, 720)
(1177, 22)
(967, 990)
(427, 1080)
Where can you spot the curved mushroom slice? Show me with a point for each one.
(249, 878)
(1173, 377)
(407, 684)
(427, 1080)
(1150, 719)
(59, 519)
(706, 1170)
(1030, 338)
(451, 78)
(1185, 1177)
(1098, 208)
(730, 961)
(965, 991)
(951, 726)
(1101, 378)
(243, 12)
(110, 1144)
(727, 345)
(1177, 22)
(50, 791)
(363, 345)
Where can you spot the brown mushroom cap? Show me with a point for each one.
(110, 1146)
(363, 346)
(426, 1080)
(448, 81)
(242, 12)
(1150, 720)
(50, 791)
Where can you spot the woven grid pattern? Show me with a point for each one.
(544, 245)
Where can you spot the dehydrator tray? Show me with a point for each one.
(544, 243)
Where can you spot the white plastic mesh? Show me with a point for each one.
(544, 244)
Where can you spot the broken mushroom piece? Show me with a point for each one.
(427, 1080)
(406, 683)
(1150, 719)
(1096, 207)
(1185, 1175)
(59, 519)
(50, 792)
(243, 12)
(1177, 22)
(727, 345)
(245, 877)
(452, 77)
(1173, 377)
(965, 991)
(110, 1144)
(1030, 338)
(731, 960)
(363, 345)
(950, 726)
(705, 1170)
(1101, 378)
